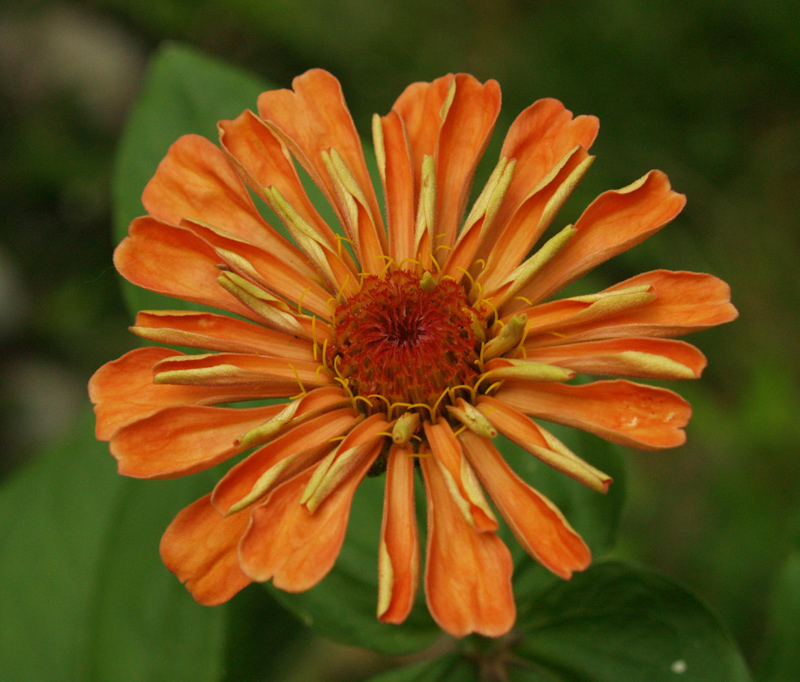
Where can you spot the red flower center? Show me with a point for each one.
(404, 342)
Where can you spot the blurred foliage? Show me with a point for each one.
(706, 91)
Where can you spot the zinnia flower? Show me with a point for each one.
(397, 341)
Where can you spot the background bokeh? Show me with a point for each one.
(707, 91)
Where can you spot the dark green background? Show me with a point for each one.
(706, 91)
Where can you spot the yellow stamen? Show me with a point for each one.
(324, 357)
(299, 381)
(362, 398)
(300, 302)
(493, 387)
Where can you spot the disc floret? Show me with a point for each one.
(405, 338)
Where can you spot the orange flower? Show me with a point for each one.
(400, 344)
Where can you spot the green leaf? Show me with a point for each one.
(85, 596)
(781, 658)
(51, 534)
(620, 622)
(613, 623)
(254, 618)
(142, 623)
(183, 92)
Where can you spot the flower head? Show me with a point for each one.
(398, 341)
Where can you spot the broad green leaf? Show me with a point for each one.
(53, 518)
(84, 594)
(619, 622)
(781, 658)
(184, 92)
(255, 618)
(613, 623)
(142, 623)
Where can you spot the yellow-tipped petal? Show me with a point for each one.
(385, 579)
(262, 303)
(364, 440)
(304, 234)
(340, 468)
(405, 427)
(364, 228)
(264, 432)
(380, 146)
(472, 418)
(531, 267)
(510, 335)
(219, 375)
(426, 212)
(508, 368)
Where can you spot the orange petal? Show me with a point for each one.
(276, 377)
(620, 411)
(312, 437)
(266, 269)
(420, 108)
(504, 251)
(459, 477)
(548, 323)
(196, 182)
(347, 456)
(263, 161)
(464, 134)
(366, 232)
(537, 523)
(292, 546)
(219, 333)
(530, 436)
(199, 547)
(540, 137)
(175, 262)
(183, 439)
(467, 573)
(123, 391)
(629, 357)
(615, 222)
(398, 185)
(313, 118)
(398, 558)
(684, 302)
